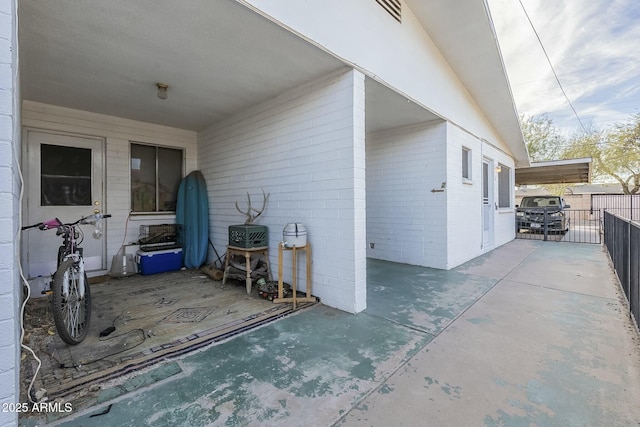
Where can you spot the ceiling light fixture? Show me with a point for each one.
(162, 90)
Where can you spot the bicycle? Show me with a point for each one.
(71, 299)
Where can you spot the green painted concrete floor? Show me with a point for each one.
(531, 334)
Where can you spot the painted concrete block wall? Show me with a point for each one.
(409, 223)
(464, 210)
(117, 134)
(401, 54)
(10, 288)
(306, 148)
(406, 221)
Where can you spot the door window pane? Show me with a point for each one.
(65, 176)
(485, 182)
(155, 176)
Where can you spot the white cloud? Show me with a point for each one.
(593, 46)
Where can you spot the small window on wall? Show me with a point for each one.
(155, 176)
(504, 186)
(466, 163)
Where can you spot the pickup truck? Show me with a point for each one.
(530, 214)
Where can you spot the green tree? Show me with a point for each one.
(615, 153)
(544, 140)
(557, 189)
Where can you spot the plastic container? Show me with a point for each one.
(153, 262)
(122, 264)
(294, 234)
(248, 236)
(39, 285)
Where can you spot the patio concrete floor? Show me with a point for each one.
(532, 334)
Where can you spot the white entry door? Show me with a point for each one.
(65, 182)
(487, 203)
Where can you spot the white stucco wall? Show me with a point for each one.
(10, 288)
(406, 221)
(117, 134)
(400, 54)
(305, 148)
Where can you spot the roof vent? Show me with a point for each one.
(393, 7)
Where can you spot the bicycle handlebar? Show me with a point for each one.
(56, 223)
(26, 227)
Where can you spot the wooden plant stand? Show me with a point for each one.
(246, 252)
(294, 253)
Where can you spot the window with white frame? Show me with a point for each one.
(504, 186)
(155, 177)
(466, 163)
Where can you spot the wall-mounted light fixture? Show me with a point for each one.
(498, 169)
(162, 90)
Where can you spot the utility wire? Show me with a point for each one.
(551, 66)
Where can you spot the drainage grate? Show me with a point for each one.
(188, 315)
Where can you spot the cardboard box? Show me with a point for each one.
(152, 262)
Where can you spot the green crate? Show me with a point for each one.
(248, 236)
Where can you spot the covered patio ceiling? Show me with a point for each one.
(218, 58)
(572, 171)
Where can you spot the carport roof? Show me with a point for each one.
(571, 171)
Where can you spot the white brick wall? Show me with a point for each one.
(464, 210)
(405, 220)
(10, 288)
(409, 223)
(117, 134)
(305, 148)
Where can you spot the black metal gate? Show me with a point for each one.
(570, 225)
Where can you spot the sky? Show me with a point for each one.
(594, 47)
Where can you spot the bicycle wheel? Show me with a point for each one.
(71, 312)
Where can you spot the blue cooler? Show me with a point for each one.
(152, 262)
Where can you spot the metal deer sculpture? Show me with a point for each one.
(253, 213)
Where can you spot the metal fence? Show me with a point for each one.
(622, 240)
(624, 205)
(570, 225)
